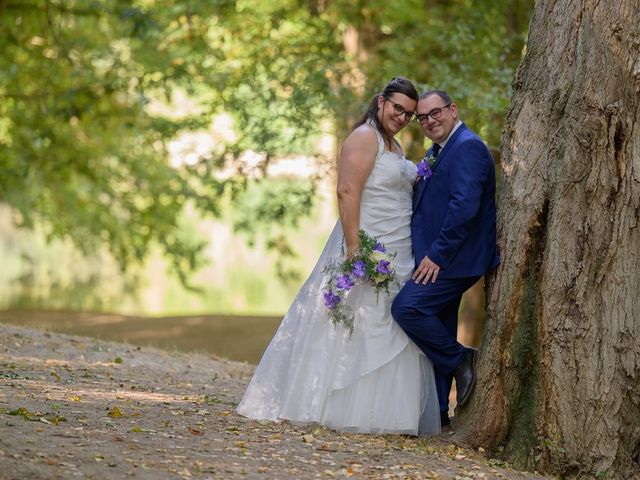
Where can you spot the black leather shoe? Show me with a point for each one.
(465, 375)
(445, 422)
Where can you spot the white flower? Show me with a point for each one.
(376, 256)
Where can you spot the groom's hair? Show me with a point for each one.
(441, 93)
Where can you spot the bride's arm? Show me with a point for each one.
(356, 162)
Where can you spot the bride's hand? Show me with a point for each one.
(352, 251)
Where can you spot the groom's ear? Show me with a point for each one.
(454, 111)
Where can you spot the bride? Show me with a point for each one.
(374, 380)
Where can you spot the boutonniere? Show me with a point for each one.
(424, 167)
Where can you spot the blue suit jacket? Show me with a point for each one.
(454, 211)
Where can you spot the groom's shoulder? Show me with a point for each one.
(466, 134)
(470, 146)
(469, 138)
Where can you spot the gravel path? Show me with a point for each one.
(77, 407)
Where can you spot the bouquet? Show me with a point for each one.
(372, 265)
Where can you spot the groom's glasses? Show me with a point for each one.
(399, 110)
(436, 113)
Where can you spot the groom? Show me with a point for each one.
(453, 230)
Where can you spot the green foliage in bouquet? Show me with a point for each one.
(372, 264)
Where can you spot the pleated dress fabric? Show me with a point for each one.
(374, 380)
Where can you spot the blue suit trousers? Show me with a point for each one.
(429, 316)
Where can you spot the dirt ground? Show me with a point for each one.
(77, 407)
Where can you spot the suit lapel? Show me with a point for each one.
(420, 187)
(449, 144)
(440, 159)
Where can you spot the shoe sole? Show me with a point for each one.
(464, 400)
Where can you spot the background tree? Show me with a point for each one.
(80, 153)
(559, 381)
(84, 153)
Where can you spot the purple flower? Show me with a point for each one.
(424, 171)
(379, 248)
(359, 269)
(344, 282)
(383, 267)
(331, 300)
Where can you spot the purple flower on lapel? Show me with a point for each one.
(424, 171)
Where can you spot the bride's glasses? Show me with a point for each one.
(399, 110)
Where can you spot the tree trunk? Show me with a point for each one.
(559, 376)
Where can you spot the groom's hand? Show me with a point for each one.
(427, 270)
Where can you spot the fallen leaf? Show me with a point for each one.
(56, 419)
(195, 431)
(325, 447)
(115, 413)
(26, 414)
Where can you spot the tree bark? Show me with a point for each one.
(559, 375)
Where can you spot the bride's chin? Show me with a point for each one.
(394, 128)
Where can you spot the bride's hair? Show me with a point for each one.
(396, 85)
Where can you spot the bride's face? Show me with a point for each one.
(395, 111)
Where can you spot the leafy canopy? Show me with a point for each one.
(84, 152)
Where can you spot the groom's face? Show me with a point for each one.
(437, 129)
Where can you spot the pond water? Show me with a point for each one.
(241, 338)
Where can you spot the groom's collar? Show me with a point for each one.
(442, 145)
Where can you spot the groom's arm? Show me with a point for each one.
(468, 177)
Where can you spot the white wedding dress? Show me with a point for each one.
(374, 381)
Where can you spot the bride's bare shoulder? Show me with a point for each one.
(361, 135)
